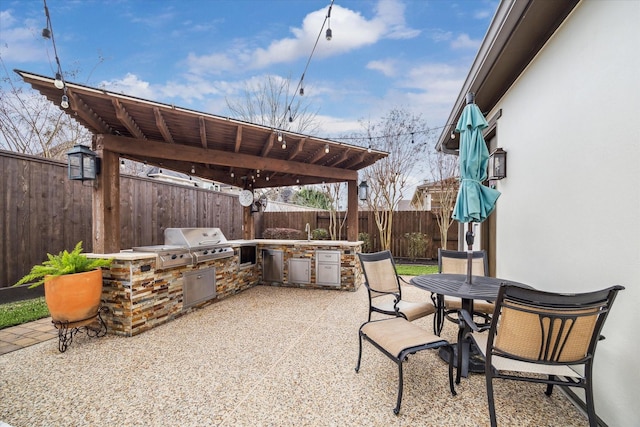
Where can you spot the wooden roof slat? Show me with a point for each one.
(356, 161)
(86, 113)
(268, 146)
(162, 125)
(127, 120)
(238, 139)
(298, 149)
(203, 132)
(319, 154)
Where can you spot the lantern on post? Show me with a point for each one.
(82, 163)
(363, 191)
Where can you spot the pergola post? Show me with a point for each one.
(352, 211)
(106, 201)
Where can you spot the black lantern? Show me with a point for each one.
(363, 191)
(82, 163)
(497, 164)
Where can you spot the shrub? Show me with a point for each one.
(366, 245)
(320, 234)
(283, 234)
(417, 245)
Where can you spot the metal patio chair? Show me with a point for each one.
(384, 290)
(543, 337)
(455, 262)
(397, 338)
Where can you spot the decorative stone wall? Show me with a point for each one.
(140, 297)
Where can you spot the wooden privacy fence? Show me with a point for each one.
(44, 212)
(404, 222)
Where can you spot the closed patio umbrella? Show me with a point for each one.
(474, 202)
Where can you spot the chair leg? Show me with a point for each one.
(396, 410)
(451, 353)
(588, 391)
(492, 406)
(359, 351)
(549, 389)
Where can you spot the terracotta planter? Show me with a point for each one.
(74, 298)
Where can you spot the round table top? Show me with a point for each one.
(481, 287)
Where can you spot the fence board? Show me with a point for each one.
(43, 211)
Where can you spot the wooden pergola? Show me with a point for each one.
(204, 145)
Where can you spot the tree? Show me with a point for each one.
(444, 170)
(312, 197)
(404, 136)
(31, 124)
(333, 191)
(269, 102)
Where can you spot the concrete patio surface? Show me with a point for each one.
(268, 356)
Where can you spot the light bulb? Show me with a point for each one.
(329, 34)
(326, 148)
(193, 169)
(369, 149)
(453, 135)
(58, 81)
(301, 91)
(233, 174)
(46, 33)
(267, 178)
(284, 144)
(65, 101)
(280, 137)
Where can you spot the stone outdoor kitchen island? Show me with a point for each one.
(140, 294)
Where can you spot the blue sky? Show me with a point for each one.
(384, 54)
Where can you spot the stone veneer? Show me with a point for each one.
(140, 297)
(350, 271)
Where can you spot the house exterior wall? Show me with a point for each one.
(568, 218)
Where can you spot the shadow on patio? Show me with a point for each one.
(268, 356)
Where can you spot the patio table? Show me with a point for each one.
(456, 285)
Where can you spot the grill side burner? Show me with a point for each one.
(168, 256)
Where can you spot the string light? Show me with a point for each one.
(299, 88)
(326, 148)
(59, 82)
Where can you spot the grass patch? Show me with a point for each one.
(415, 270)
(19, 312)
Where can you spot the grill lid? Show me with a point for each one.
(195, 238)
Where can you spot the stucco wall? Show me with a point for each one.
(569, 215)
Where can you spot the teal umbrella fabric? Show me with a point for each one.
(474, 202)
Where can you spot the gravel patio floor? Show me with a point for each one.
(266, 357)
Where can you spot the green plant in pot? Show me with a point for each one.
(72, 291)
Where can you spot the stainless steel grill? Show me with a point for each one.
(202, 243)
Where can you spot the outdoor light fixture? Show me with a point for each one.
(497, 164)
(329, 33)
(58, 81)
(64, 102)
(82, 163)
(280, 137)
(363, 191)
(284, 143)
(326, 148)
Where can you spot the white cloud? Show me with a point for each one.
(463, 41)
(20, 43)
(385, 67)
(350, 29)
(130, 85)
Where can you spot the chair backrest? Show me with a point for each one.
(545, 327)
(379, 273)
(455, 262)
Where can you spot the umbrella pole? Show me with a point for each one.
(469, 238)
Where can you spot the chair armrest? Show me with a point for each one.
(466, 317)
(402, 278)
